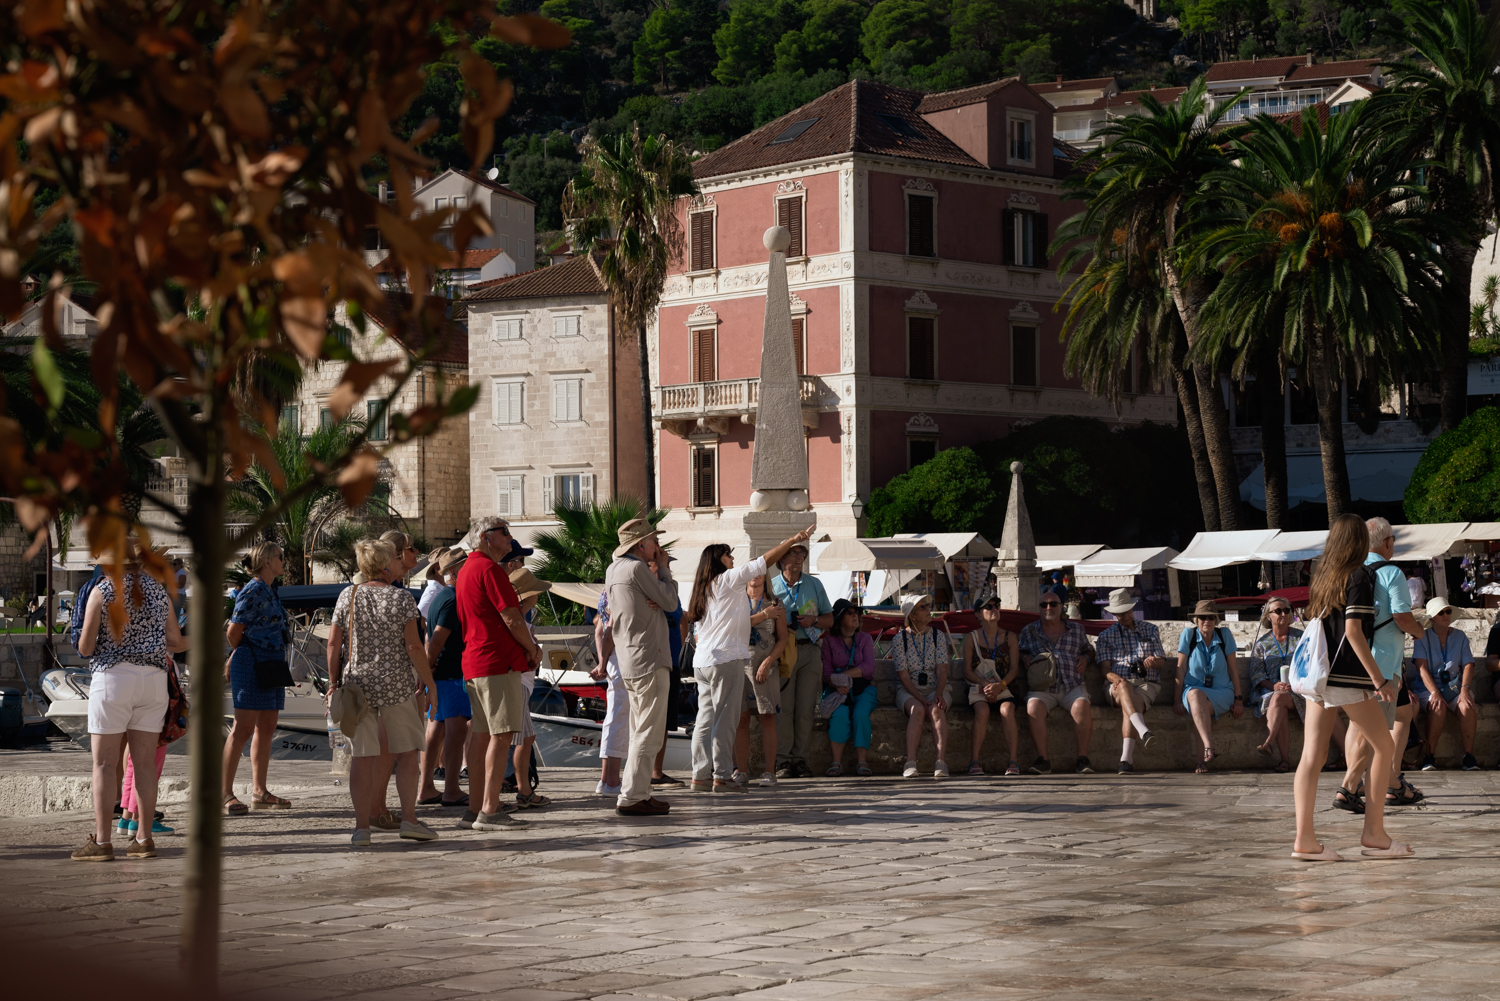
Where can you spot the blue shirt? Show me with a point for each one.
(450, 659)
(258, 609)
(1208, 657)
(1391, 598)
(806, 597)
(1443, 658)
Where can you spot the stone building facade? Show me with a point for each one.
(558, 418)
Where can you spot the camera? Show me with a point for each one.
(1208, 681)
(921, 679)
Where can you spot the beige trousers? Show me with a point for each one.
(648, 728)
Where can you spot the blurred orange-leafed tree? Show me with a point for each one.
(217, 163)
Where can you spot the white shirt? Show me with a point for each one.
(724, 633)
(429, 594)
(1417, 588)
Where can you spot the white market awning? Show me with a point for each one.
(968, 545)
(878, 554)
(1482, 531)
(1120, 567)
(1057, 557)
(1211, 550)
(586, 595)
(1423, 542)
(1292, 547)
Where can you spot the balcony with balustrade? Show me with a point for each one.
(694, 408)
(1271, 102)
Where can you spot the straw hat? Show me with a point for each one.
(433, 571)
(450, 561)
(526, 584)
(1120, 600)
(633, 533)
(1206, 607)
(349, 707)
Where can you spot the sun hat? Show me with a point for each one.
(909, 603)
(1206, 607)
(633, 533)
(1435, 607)
(434, 571)
(1120, 600)
(450, 561)
(840, 607)
(986, 600)
(348, 707)
(526, 583)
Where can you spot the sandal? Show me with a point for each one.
(834, 770)
(461, 801)
(1282, 767)
(1012, 768)
(975, 768)
(269, 802)
(532, 802)
(1323, 854)
(233, 807)
(431, 800)
(1343, 799)
(863, 769)
(1404, 794)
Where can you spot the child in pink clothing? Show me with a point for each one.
(127, 795)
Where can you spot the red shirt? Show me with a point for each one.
(483, 591)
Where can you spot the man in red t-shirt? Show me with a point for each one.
(497, 649)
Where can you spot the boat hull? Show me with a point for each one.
(569, 742)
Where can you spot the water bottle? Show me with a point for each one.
(338, 746)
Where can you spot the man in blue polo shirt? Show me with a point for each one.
(1393, 618)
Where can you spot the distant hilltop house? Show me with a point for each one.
(454, 276)
(511, 214)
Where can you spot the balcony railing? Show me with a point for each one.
(722, 398)
(1272, 102)
(1076, 135)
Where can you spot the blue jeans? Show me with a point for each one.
(862, 705)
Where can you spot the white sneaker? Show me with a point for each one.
(910, 771)
(360, 838)
(497, 822)
(603, 790)
(768, 779)
(940, 771)
(740, 778)
(417, 832)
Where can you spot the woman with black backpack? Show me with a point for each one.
(1343, 584)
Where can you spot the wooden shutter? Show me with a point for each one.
(703, 477)
(508, 398)
(919, 348)
(919, 241)
(704, 367)
(1007, 237)
(1038, 240)
(508, 496)
(586, 488)
(703, 241)
(789, 214)
(799, 328)
(1023, 356)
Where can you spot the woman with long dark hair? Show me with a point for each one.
(723, 652)
(1343, 597)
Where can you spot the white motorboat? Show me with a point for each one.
(570, 742)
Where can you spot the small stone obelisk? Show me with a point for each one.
(1018, 580)
(778, 471)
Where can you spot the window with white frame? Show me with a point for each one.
(503, 243)
(438, 204)
(459, 201)
(508, 495)
(375, 425)
(1022, 138)
(507, 328)
(510, 398)
(565, 326)
(522, 245)
(567, 400)
(568, 490)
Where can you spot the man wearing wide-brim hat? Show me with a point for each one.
(638, 603)
(1131, 656)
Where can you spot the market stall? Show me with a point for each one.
(879, 568)
(1145, 570)
(1057, 557)
(968, 558)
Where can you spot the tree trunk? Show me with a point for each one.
(201, 889)
(1326, 375)
(648, 439)
(1215, 418)
(1455, 335)
(1273, 437)
(1208, 498)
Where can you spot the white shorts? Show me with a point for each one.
(1052, 700)
(128, 697)
(1337, 695)
(904, 698)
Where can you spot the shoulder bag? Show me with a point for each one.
(347, 704)
(174, 724)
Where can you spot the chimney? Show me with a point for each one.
(1059, 78)
(1309, 59)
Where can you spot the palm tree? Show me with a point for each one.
(1444, 101)
(299, 456)
(1324, 245)
(623, 203)
(583, 548)
(1137, 197)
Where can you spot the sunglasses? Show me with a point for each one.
(1446, 611)
(501, 529)
(1281, 611)
(1050, 604)
(1205, 618)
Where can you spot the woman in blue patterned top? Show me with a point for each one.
(1272, 697)
(257, 631)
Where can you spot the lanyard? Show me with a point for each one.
(1280, 650)
(921, 650)
(853, 642)
(994, 647)
(794, 607)
(1443, 645)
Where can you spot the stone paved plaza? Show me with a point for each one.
(1061, 887)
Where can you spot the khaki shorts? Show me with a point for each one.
(1148, 690)
(904, 698)
(499, 702)
(764, 700)
(1052, 700)
(404, 730)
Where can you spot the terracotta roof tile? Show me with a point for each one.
(846, 119)
(1253, 69)
(1352, 68)
(1124, 99)
(1053, 86)
(449, 316)
(579, 276)
(472, 259)
(946, 99)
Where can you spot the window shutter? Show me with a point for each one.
(1008, 237)
(559, 401)
(1038, 240)
(703, 356)
(573, 399)
(549, 491)
(799, 328)
(919, 346)
(703, 477)
(789, 214)
(586, 488)
(919, 242)
(703, 241)
(1023, 356)
(508, 496)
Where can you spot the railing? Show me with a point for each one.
(1271, 102)
(1076, 135)
(723, 397)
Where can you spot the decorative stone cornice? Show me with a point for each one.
(789, 187)
(918, 184)
(923, 425)
(920, 302)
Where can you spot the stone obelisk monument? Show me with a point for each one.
(778, 473)
(1019, 581)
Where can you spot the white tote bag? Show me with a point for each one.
(1310, 662)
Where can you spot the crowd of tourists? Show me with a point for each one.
(439, 687)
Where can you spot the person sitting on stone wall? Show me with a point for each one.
(1445, 682)
(1208, 682)
(1067, 647)
(921, 659)
(1131, 657)
(992, 690)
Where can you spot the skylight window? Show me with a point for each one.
(793, 130)
(900, 126)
